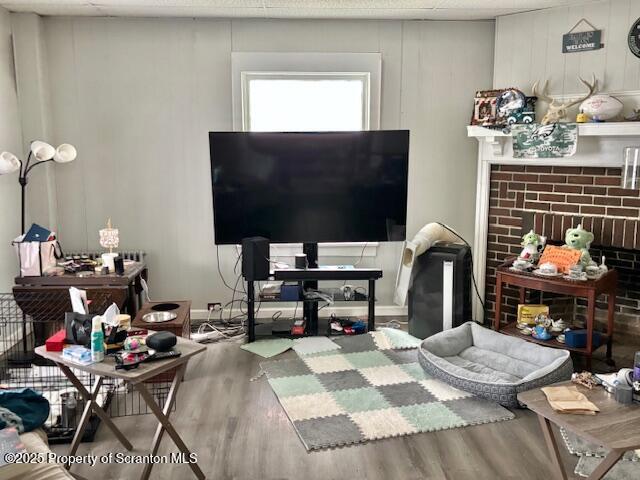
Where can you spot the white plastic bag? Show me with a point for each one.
(36, 258)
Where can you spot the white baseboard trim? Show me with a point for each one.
(268, 312)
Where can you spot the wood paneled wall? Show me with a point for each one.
(529, 48)
(10, 140)
(138, 96)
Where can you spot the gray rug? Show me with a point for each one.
(368, 390)
(623, 470)
(628, 468)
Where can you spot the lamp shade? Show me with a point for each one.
(9, 163)
(65, 153)
(42, 150)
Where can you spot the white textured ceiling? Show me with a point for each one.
(391, 9)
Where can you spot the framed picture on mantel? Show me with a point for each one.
(484, 108)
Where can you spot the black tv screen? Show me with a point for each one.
(301, 187)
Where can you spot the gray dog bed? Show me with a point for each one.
(490, 364)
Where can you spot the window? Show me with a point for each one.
(308, 101)
(307, 92)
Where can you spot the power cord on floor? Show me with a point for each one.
(473, 277)
(208, 332)
(397, 324)
(227, 329)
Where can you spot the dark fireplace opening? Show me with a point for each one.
(627, 264)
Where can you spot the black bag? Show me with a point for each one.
(161, 341)
(78, 328)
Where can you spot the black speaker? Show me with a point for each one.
(255, 258)
(440, 295)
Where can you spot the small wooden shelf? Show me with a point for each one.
(590, 290)
(512, 330)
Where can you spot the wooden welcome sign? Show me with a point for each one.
(582, 41)
(561, 257)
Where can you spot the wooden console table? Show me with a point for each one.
(46, 298)
(616, 427)
(128, 283)
(589, 289)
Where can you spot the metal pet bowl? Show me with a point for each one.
(164, 307)
(158, 317)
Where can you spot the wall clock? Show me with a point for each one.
(634, 38)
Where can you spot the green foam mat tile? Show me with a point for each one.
(312, 345)
(268, 348)
(399, 339)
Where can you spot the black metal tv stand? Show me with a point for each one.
(310, 278)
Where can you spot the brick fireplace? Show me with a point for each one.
(551, 199)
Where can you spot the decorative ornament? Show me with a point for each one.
(109, 237)
(602, 107)
(508, 103)
(582, 117)
(580, 239)
(558, 111)
(532, 244)
(633, 116)
(634, 38)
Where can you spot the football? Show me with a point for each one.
(602, 107)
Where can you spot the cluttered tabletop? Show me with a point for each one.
(108, 345)
(589, 408)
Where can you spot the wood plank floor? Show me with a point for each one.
(239, 431)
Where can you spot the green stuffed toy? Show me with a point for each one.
(533, 244)
(580, 239)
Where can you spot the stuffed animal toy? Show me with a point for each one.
(580, 239)
(533, 245)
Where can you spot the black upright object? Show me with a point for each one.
(23, 179)
(310, 310)
(255, 258)
(440, 295)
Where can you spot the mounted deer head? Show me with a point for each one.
(558, 111)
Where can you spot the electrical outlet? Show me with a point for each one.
(214, 306)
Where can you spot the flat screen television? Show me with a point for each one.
(306, 187)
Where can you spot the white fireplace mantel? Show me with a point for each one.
(599, 145)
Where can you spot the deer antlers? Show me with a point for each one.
(558, 111)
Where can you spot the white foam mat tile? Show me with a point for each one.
(310, 345)
(381, 340)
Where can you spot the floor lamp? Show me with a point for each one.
(40, 152)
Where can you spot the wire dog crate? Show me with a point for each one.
(21, 368)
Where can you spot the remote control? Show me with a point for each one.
(163, 356)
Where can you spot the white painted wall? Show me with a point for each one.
(138, 96)
(10, 140)
(35, 115)
(529, 47)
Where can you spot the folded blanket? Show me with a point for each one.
(569, 400)
(23, 409)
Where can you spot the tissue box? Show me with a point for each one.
(77, 354)
(578, 339)
(55, 343)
